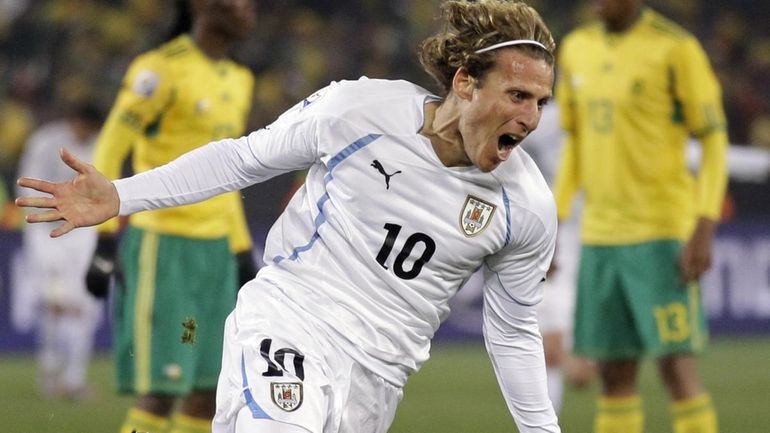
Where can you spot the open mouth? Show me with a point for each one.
(507, 142)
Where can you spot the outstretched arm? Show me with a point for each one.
(88, 199)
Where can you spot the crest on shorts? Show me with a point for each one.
(287, 395)
(475, 215)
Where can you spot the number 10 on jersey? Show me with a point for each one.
(415, 239)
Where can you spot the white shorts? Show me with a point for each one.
(278, 365)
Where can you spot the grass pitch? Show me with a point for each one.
(455, 392)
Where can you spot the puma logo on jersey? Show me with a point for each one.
(376, 164)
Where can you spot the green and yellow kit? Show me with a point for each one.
(628, 103)
(177, 263)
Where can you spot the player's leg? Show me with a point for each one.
(604, 331)
(692, 409)
(150, 361)
(672, 324)
(579, 370)
(211, 284)
(78, 338)
(80, 317)
(49, 357)
(370, 403)
(275, 367)
(200, 403)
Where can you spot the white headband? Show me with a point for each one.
(511, 43)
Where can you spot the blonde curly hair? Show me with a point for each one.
(471, 26)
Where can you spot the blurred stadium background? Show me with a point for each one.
(57, 52)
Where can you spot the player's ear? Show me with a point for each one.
(463, 83)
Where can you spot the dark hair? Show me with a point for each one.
(183, 19)
(87, 111)
(471, 26)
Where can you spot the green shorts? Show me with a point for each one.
(167, 280)
(631, 302)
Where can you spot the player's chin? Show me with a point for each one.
(488, 166)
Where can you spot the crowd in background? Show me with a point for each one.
(54, 53)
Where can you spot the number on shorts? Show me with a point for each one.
(273, 369)
(673, 325)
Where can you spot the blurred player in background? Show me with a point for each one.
(180, 265)
(49, 293)
(631, 89)
(363, 263)
(556, 311)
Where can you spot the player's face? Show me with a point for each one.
(504, 107)
(617, 13)
(237, 18)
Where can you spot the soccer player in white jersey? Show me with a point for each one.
(407, 193)
(49, 288)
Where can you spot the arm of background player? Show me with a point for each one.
(144, 93)
(701, 97)
(699, 92)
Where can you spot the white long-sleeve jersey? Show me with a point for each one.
(382, 234)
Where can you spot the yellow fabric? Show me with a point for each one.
(144, 305)
(141, 421)
(694, 415)
(16, 123)
(186, 424)
(628, 104)
(619, 415)
(173, 100)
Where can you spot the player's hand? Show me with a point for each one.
(88, 199)
(696, 253)
(247, 268)
(102, 267)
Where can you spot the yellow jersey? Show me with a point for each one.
(174, 99)
(629, 102)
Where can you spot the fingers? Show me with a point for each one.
(63, 229)
(38, 202)
(36, 184)
(44, 217)
(693, 267)
(72, 161)
(49, 216)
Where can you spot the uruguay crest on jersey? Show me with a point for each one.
(286, 395)
(475, 215)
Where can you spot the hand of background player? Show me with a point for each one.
(247, 268)
(88, 199)
(696, 253)
(103, 266)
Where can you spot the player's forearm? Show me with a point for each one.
(712, 178)
(207, 171)
(516, 350)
